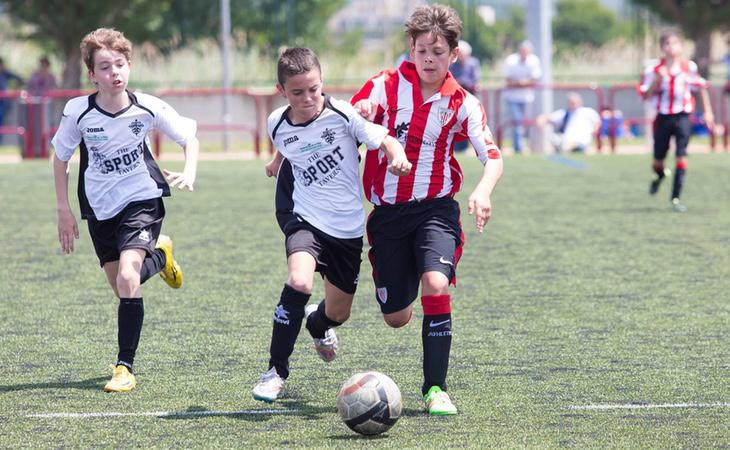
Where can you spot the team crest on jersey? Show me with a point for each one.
(445, 115)
(328, 135)
(401, 130)
(144, 235)
(136, 127)
(382, 294)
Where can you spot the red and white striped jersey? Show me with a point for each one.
(674, 94)
(427, 129)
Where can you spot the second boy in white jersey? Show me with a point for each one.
(318, 207)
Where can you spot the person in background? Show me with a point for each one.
(522, 71)
(6, 77)
(573, 127)
(42, 80)
(467, 72)
(668, 84)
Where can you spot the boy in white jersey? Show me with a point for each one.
(414, 230)
(120, 185)
(670, 84)
(318, 207)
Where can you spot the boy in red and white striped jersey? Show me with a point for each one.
(414, 230)
(670, 84)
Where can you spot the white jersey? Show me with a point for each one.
(117, 167)
(319, 181)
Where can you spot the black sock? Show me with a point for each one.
(129, 319)
(318, 322)
(659, 171)
(678, 182)
(152, 265)
(436, 335)
(287, 322)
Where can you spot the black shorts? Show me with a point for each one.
(409, 239)
(666, 126)
(337, 259)
(138, 225)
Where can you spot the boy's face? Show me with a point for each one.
(432, 56)
(304, 93)
(672, 47)
(111, 71)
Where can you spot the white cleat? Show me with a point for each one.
(269, 386)
(326, 347)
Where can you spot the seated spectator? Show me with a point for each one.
(573, 127)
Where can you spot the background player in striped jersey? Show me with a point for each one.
(670, 84)
(414, 230)
(120, 184)
(318, 207)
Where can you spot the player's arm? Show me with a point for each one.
(707, 109)
(398, 163)
(480, 203)
(181, 130)
(654, 81)
(186, 178)
(68, 229)
(272, 167)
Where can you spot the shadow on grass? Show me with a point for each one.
(88, 384)
(289, 408)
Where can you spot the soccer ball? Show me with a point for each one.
(369, 403)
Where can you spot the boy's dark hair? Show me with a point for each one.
(104, 38)
(438, 19)
(296, 61)
(666, 34)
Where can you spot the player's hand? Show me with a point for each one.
(367, 109)
(480, 205)
(400, 166)
(272, 167)
(180, 180)
(68, 230)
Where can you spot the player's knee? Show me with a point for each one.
(300, 283)
(398, 319)
(658, 165)
(435, 283)
(127, 277)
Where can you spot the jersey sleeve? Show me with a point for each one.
(175, 126)
(479, 133)
(696, 81)
(647, 79)
(368, 133)
(68, 136)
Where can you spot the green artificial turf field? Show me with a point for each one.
(587, 315)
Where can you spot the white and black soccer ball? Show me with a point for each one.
(369, 403)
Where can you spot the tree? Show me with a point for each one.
(697, 19)
(168, 24)
(582, 22)
(61, 24)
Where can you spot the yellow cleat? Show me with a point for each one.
(122, 380)
(171, 273)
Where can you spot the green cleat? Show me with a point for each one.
(438, 403)
(677, 206)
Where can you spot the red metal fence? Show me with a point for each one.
(35, 134)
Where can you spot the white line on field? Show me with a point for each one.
(653, 406)
(92, 415)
